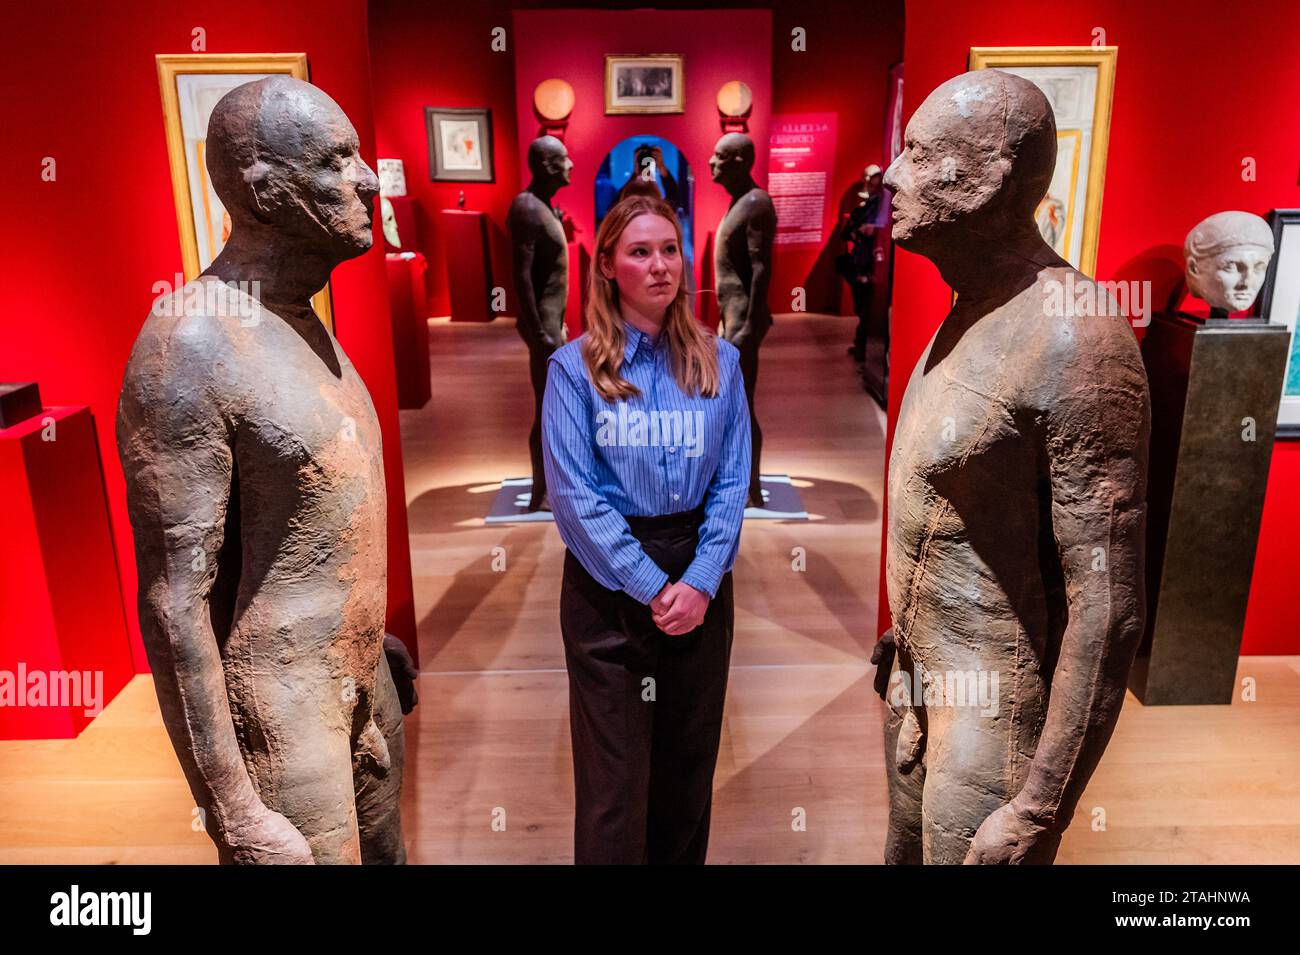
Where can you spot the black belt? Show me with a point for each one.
(682, 520)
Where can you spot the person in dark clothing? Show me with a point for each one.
(860, 233)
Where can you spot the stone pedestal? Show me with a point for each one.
(1205, 495)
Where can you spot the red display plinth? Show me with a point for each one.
(469, 264)
(706, 300)
(410, 318)
(407, 230)
(575, 307)
(64, 651)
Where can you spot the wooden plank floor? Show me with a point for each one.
(802, 729)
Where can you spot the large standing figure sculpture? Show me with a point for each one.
(1016, 499)
(541, 277)
(742, 259)
(255, 487)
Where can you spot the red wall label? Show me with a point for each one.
(801, 163)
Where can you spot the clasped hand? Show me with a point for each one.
(679, 608)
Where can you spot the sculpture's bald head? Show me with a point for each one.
(732, 159)
(549, 160)
(979, 156)
(282, 155)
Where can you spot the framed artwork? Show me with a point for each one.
(1079, 82)
(651, 83)
(460, 144)
(1279, 303)
(191, 84)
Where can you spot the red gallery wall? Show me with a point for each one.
(850, 47)
(440, 54)
(1195, 92)
(716, 46)
(82, 253)
(844, 69)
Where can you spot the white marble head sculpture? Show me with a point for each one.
(388, 217)
(1226, 258)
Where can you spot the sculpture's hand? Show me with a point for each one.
(1013, 835)
(882, 655)
(266, 838)
(405, 674)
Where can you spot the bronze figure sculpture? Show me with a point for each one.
(742, 265)
(1016, 499)
(540, 260)
(255, 488)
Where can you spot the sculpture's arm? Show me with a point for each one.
(1095, 444)
(176, 455)
(760, 230)
(523, 243)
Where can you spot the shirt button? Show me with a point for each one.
(672, 450)
(676, 496)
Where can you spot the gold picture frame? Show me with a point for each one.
(191, 191)
(626, 68)
(1080, 83)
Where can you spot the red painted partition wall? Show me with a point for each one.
(82, 252)
(1196, 93)
(442, 54)
(716, 45)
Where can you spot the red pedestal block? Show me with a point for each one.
(706, 301)
(410, 319)
(407, 230)
(469, 264)
(575, 307)
(63, 640)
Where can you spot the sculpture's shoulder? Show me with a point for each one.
(1081, 344)
(759, 204)
(191, 338)
(190, 328)
(1084, 321)
(519, 204)
(526, 210)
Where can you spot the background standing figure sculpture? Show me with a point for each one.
(742, 258)
(540, 255)
(255, 487)
(1017, 490)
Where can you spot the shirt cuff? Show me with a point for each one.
(705, 575)
(646, 582)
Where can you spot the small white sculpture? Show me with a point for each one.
(1227, 256)
(388, 217)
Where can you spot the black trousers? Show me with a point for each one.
(645, 710)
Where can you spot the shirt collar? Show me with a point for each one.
(636, 341)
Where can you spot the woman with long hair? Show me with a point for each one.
(645, 435)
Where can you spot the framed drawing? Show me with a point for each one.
(191, 84)
(651, 83)
(1079, 82)
(1279, 303)
(460, 144)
